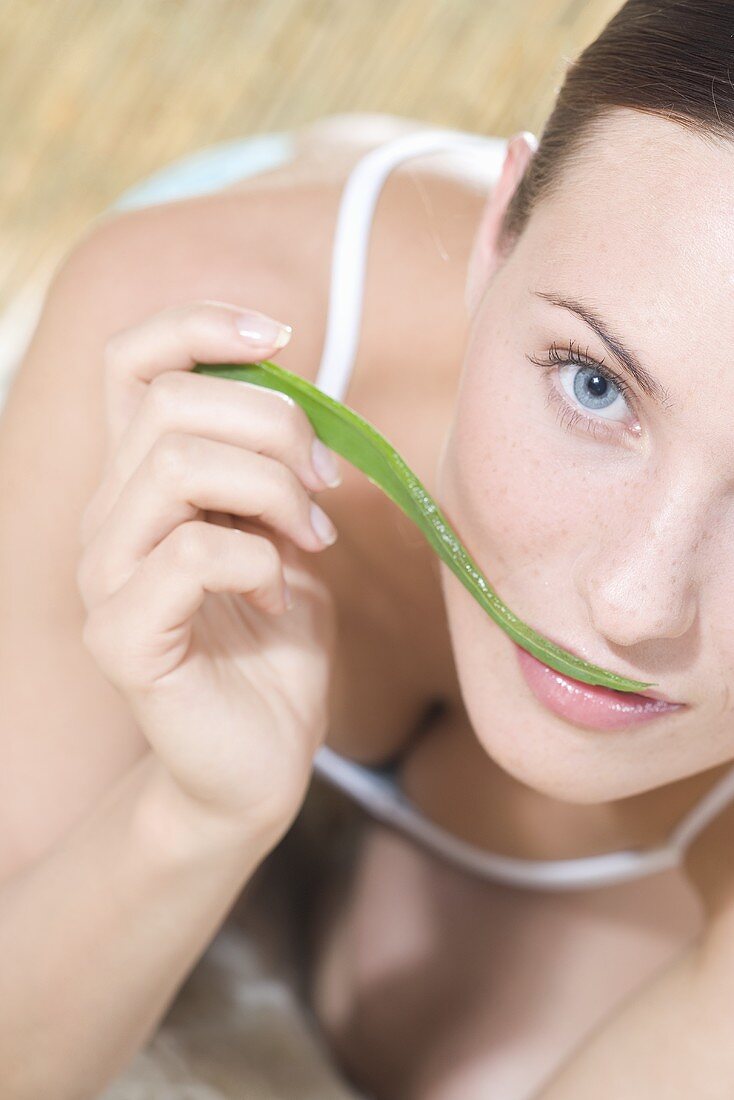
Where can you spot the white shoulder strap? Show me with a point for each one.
(381, 796)
(351, 240)
(696, 820)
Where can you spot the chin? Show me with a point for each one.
(536, 747)
(534, 756)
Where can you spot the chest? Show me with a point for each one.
(430, 983)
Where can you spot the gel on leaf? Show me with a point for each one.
(359, 442)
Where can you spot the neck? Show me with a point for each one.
(503, 815)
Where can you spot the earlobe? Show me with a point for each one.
(484, 259)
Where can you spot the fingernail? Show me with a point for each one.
(263, 330)
(322, 525)
(324, 463)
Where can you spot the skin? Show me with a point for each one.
(619, 546)
(555, 792)
(631, 602)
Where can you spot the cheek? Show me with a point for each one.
(509, 483)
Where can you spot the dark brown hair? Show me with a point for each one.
(673, 58)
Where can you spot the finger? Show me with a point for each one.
(180, 476)
(246, 415)
(143, 631)
(176, 339)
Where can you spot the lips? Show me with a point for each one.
(628, 694)
(589, 705)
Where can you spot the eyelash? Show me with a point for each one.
(573, 417)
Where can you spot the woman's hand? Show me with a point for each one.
(199, 521)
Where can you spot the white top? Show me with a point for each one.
(375, 789)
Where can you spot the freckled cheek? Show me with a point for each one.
(514, 496)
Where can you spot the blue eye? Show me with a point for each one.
(578, 385)
(594, 390)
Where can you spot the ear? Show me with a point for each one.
(484, 259)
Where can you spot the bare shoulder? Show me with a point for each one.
(268, 240)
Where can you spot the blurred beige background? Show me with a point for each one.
(95, 95)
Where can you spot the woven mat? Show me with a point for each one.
(95, 96)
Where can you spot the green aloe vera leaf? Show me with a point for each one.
(355, 439)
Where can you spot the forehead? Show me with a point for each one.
(643, 223)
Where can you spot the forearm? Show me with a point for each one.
(672, 1039)
(97, 937)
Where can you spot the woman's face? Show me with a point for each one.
(602, 514)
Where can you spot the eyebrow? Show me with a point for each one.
(627, 358)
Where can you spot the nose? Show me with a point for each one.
(640, 586)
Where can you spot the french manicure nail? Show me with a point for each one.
(322, 525)
(324, 463)
(262, 330)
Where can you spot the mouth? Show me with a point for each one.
(590, 705)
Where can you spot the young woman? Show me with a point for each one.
(546, 336)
